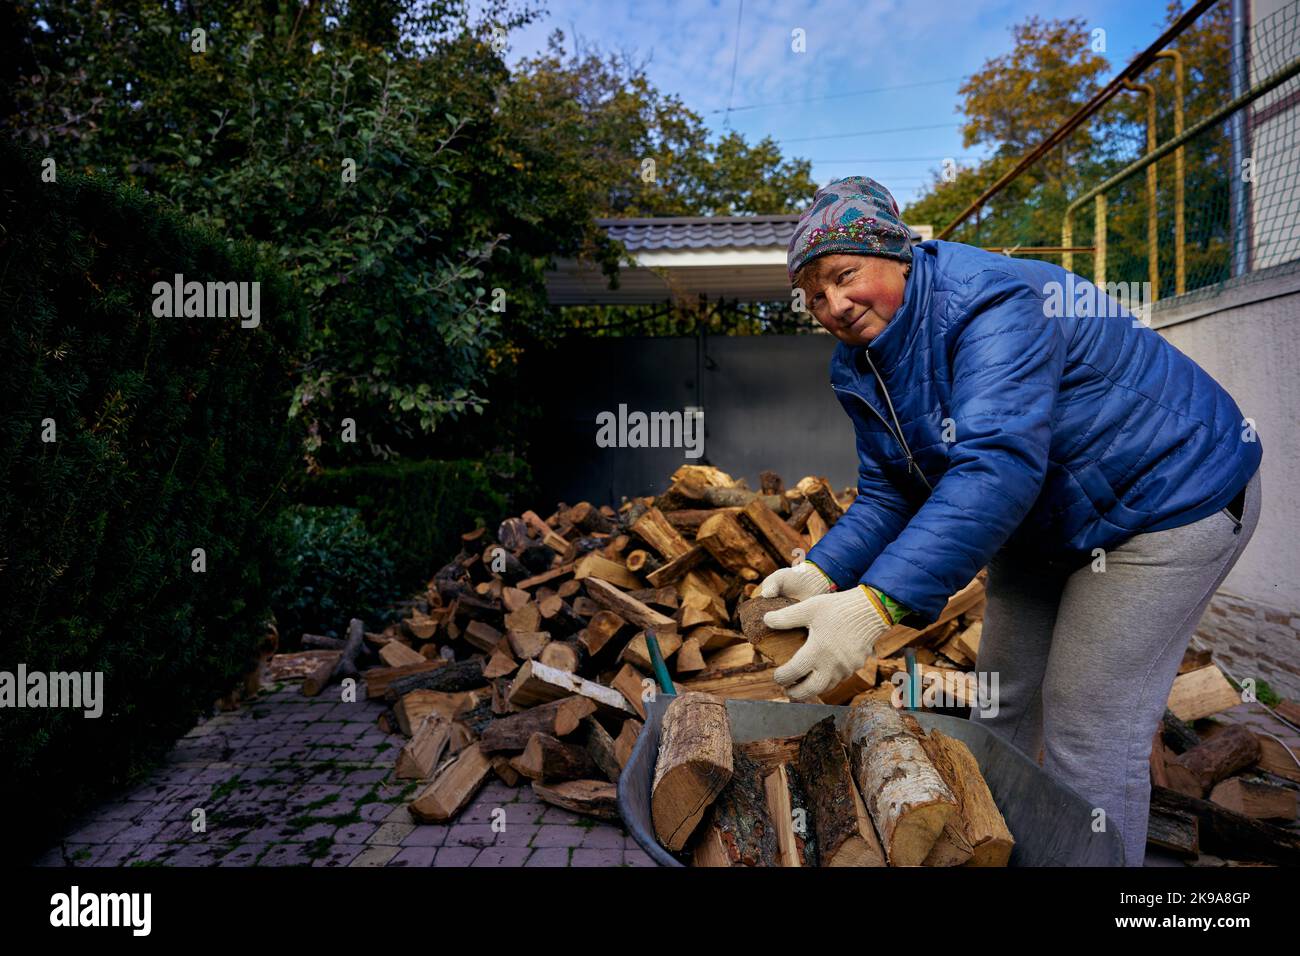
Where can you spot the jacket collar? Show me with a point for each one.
(889, 347)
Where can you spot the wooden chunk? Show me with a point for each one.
(560, 655)
(482, 635)
(553, 574)
(737, 829)
(676, 569)
(538, 684)
(597, 567)
(452, 676)
(1275, 759)
(628, 608)
(967, 641)
(690, 660)
(422, 752)
(593, 798)
(771, 752)
(630, 682)
(694, 764)
(713, 638)
(979, 836)
(321, 672)
(527, 619)
(588, 517)
(599, 630)
(1231, 749)
(296, 666)
(558, 719)
(860, 681)
(733, 547)
(898, 637)
(601, 748)
(783, 542)
(819, 494)
(626, 740)
(907, 799)
(641, 561)
(412, 708)
(777, 646)
(665, 599)
(845, 836)
(395, 654)
(527, 645)
(549, 759)
(653, 528)
(514, 598)
(790, 812)
(1202, 692)
(1226, 833)
(1176, 831)
(508, 774)
(501, 662)
(753, 683)
(736, 655)
(1259, 801)
(816, 528)
(637, 652)
(378, 679)
(452, 788)
(697, 592)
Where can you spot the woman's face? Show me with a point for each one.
(854, 297)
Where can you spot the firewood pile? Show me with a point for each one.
(526, 657)
(881, 793)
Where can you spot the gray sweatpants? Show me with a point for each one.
(1085, 659)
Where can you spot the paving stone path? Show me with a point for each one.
(288, 780)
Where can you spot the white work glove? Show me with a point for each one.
(842, 632)
(804, 580)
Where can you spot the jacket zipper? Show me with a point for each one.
(911, 462)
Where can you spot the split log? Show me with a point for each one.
(676, 569)
(599, 630)
(799, 516)
(642, 561)
(783, 543)
(319, 672)
(789, 808)
(713, 638)
(656, 531)
(689, 520)
(1202, 692)
(396, 654)
(601, 748)
(538, 684)
(378, 679)
(553, 574)
(637, 650)
(626, 740)
(527, 619)
(778, 646)
(734, 548)
(596, 567)
(907, 799)
(1226, 833)
(979, 836)
(561, 655)
(482, 635)
(1259, 801)
(844, 832)
(588, 517)
(416, 705)
(454, 676)
(628, 608)
(500, 662)
(690, 660)
(663, 598)
(693, 766)
(527, 645)
(819, 494)
(559, 718)
(593, 798)
(1231, 749)
(425, 748)
(549, 759)
(738, 828)
(770, 483)
(452, 788)
(631, 683)
(1177, 734)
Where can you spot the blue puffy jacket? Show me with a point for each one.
(1064, 432)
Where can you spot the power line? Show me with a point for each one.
(835, 96)
(867, 132)
(735, 58)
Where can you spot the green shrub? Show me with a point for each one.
(334, 570)
(419, 509)
(171, 435)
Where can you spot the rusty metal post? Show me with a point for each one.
(1180, 232)
(1153, 235)
(1099, 241)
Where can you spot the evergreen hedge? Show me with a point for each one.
(171, 435)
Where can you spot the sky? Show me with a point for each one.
(827, 104)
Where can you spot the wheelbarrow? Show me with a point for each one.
(1052, 825)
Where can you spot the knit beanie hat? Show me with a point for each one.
(854, 215)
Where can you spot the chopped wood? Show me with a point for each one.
(528, 618)
(1259, 801)
(538, 684)
(908, 801)
(549, 759)
(626, 740)
(560, 655)
(1196, 771)
(1227, 833)
(676, 569)
(630, 682)
(736, 655)
(593, 798)
(395, 654)
(425, 748)
(452, 676)
(595, 566)
(500, 662)
(663, 598)
(776, 645)
(599, 630)
(642, 561)
(378, 679)
(415, 706)
(295, 666)
(693, 766)
(628, 608)
(819, 494)
(783, 542)
(482, 635)
(1202, 692)
(452, 788)
(979, 836)
(601, 748)
(321, 673)
(527, 645)
(690, 660)
(752, 683)
(546, 576)
(845, 835)
(655, 530)
(558, 718)
(690, 520)
(788, 807)
(637, 652)
(714, 638)
(733, 547)
(737, 829)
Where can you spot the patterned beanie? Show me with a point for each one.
(855, 215)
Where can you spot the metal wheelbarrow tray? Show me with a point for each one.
(1051, 823)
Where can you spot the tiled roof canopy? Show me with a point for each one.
(732, 257)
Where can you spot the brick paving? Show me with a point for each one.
(288, 780)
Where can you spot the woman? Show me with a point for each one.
(1105, 479)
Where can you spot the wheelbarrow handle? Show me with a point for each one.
(657, 663)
